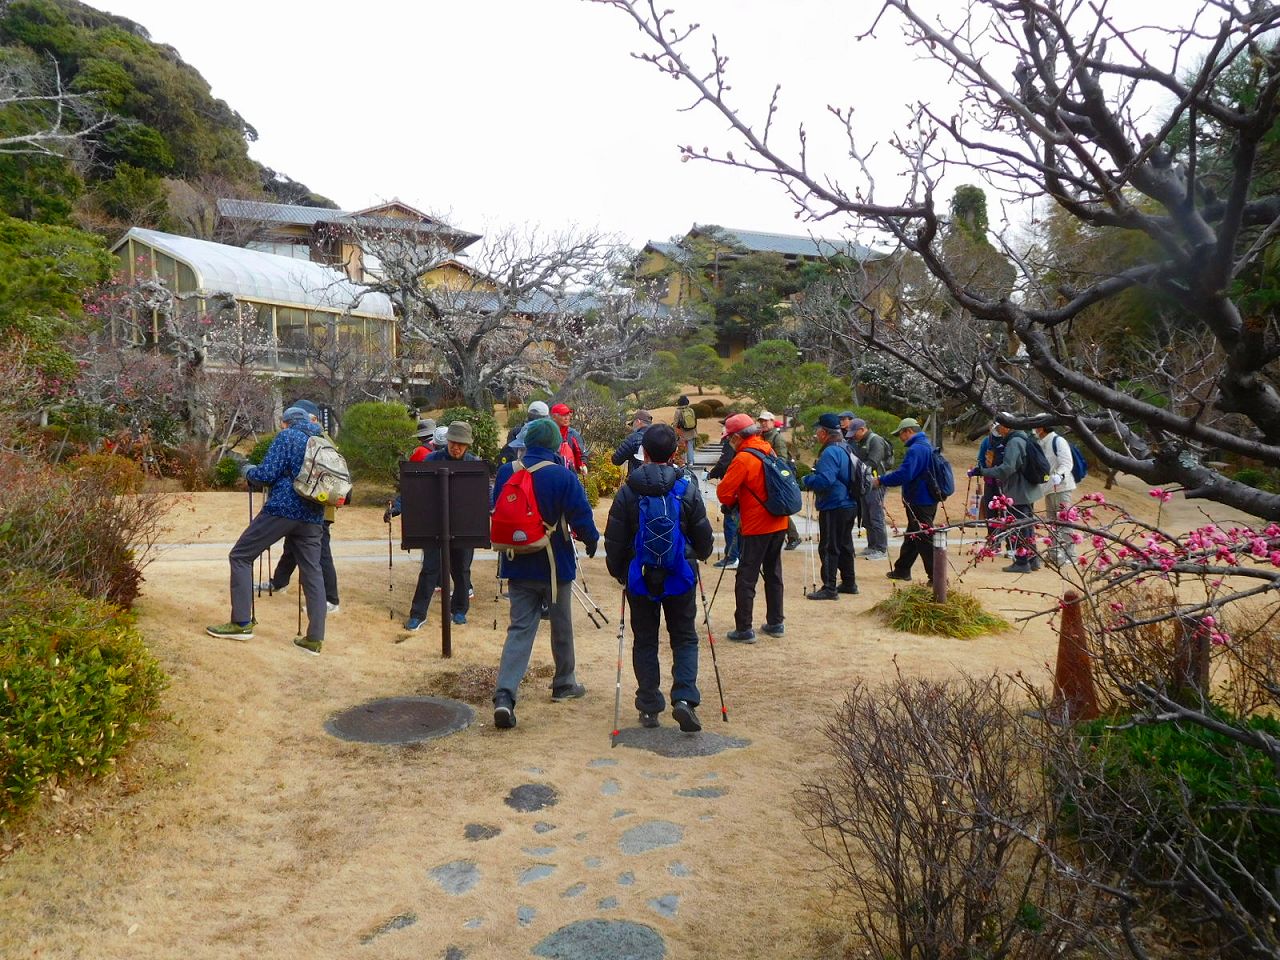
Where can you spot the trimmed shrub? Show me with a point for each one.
(603, 477)
(78, 682)
(483, 427)
(226, 472)
(71, 526)
(259, 451)
(375, 437)
(118, 474)
(189, 464)
(703, 410)
(517, 417)
(715, 403)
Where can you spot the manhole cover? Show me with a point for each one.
(395, 720)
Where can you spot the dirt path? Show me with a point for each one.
(242, 829)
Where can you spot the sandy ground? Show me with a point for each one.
(241, 829)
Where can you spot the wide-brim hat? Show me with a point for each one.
(426, 429)
(459, 432)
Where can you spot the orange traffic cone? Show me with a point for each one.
(1074, 699)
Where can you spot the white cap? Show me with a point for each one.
(539, 409)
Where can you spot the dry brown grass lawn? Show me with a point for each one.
(241, 829)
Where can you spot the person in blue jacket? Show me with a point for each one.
(285, 516)
(561, 500)
(922, 508)
(830, 480)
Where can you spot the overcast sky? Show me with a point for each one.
(496, 112)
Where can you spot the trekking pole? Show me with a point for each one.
(391, 583)
(300, 633)
(706, 613)
(813, 554)
(617, 689)
(582, 586)
(577, 595)
(716, 591)
(271, 574)
(253, 604)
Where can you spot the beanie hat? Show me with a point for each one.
(538, 409)
(459, 432)
(295, 415)
(543, 433)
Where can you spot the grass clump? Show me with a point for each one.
(913, 610)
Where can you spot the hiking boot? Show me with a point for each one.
(231, 630)
(307, 645)
(727, 564)
(895, 575)
(413, 623)
(266, 586)
(504, 714)
(824, 594)
(686, 716)
(574, 692)
(459, 618)
(649, 720)
(792, 545)
(1017, 568)
(773, 629)
(847, 588)
(874, 555)
(332, 607)
(742, 636)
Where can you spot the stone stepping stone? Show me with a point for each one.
(627, 879)
(480, 831)
(659, 776)
(592, 939)
(543, 827)
(395, 923)
(538, 851)
(678, 869)
(671, 743)
(593, 863)
(665, 906)
(610, 788)
(705, 793)
(650, 835)
(456, 878)
(454, 953)
(605, 762)
(525, 915)
(539, 871)
(577, 890)
(475, 923)
(530, 797)
(608, 903)
(621, 812)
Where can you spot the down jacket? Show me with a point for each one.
(653, 480)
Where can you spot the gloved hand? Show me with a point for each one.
(973, 472)
(386, 515)
(1057, 478)
(591, 548)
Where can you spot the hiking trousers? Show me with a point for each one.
(429, 578)
(917, 542)
(528, 598)
(303, 540)
(871, 515)
(835, 546)
(681, 612)
(732, 542)
(761, 556)
(287, 564)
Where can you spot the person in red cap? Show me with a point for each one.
(761, 533)
(572, 450)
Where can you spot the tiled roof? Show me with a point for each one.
(757, 241)
(264, 212)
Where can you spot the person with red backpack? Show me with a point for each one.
(534, 499)
(657, 530)
(572, 450)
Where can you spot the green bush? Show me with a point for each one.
(226, 473)
(516, 418)
(603, 477)
(1262, 479)
(483, 427)
(702, 410)
(78, 682)
(879, 421)
(73, 526)
(715, 403)
(118, 474)
(375, 437)
(1152, 782)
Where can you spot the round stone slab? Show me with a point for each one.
(670, 742)
(591, 939)
(400, 720)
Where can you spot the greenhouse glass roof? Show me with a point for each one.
(264, 277)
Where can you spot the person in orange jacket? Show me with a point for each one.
(761, 534)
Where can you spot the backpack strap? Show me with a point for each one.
(549, 527)
(745, 486)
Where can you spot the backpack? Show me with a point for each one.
(1035, 465)
(781, 492)
(1079, 465)
(324, 477)
(659, 568)
(686, 419)
(938, 478)
(859, 476)
(516, 523)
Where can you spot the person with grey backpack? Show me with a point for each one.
(1023, 475)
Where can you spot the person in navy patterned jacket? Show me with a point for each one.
(285, 516)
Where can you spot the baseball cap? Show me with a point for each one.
(560, 409)
(765, 415)
(537, 409)
(737, 423)
(907, 423)
(644, 415)
(846, 415)
(856, 424)
(828, 421)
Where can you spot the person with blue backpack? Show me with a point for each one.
(1062, 475)
(921, 503)
(657, 530)
(1023, 475)
(834, 481)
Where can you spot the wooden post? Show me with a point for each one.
(940, 566)
(1073, 694)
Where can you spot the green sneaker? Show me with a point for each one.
(231, 631)
(310, 646)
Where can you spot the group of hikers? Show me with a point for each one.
(657, 534)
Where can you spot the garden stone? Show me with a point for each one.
(531, 796)
(456, 878)
(705, 793)
(525, 915)
(539, 871)
(395, 923)
(650, 835)
(593, 939)
(665, 906)
(480, 831)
